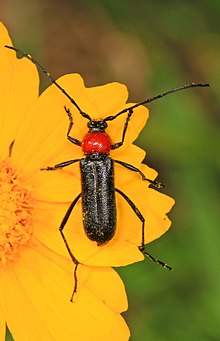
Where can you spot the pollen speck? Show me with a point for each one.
(15, 212)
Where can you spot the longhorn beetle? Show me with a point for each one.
(97, 174)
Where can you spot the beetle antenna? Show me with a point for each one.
(48, 75)
(151, 99)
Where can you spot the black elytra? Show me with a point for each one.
(97, 174)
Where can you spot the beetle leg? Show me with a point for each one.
(62, 225)
(130, 167)
(71, 139)
(61, 165)
(136, 211)
(140, 216)
(119, 144)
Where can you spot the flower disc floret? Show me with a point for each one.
(15, 212)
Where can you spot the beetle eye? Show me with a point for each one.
(90, 124)
(103, 125)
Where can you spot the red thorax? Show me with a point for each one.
(96, 142)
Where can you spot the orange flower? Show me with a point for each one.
(35, 271)
(35, 281)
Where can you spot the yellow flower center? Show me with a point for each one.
(15, 212)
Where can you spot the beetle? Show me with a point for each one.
(97, 174)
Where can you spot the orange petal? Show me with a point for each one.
(57, 186)
(42, 137)
(117, 252)
(22, 319)
(44, 277)
(97, 101)
(18, 88)
(98, 281)
(153, 206)
(2, 327)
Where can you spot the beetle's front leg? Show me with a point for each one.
(71, 139)
(61, 165)
(119, 144)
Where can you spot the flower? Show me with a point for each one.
(35, 280)
(35, 267)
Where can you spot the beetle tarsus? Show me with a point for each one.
(159, 262)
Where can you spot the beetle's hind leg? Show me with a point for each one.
(141, 217)
(74, 259)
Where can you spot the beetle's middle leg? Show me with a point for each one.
(61, 165)
(134, 169)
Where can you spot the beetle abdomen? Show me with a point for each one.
(98, 197)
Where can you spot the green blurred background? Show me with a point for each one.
(152, 46)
